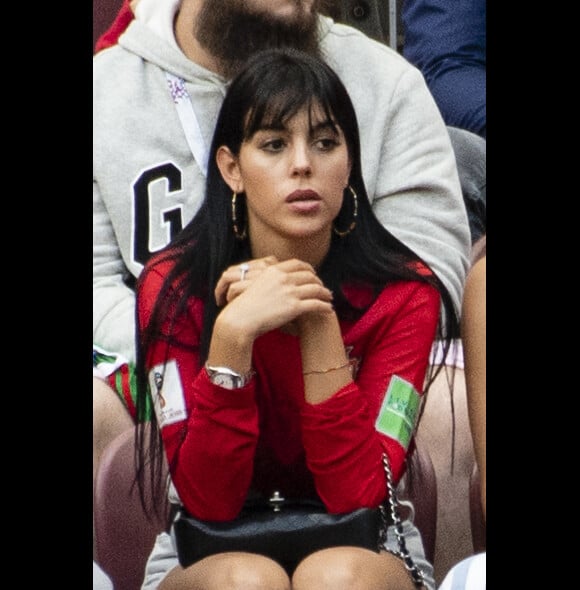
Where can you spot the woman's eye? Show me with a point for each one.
(326, 143)
(273, 145)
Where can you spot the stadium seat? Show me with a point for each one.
(104, 13)
(124, 536)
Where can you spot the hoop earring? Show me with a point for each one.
(352, 225)
(239, 235)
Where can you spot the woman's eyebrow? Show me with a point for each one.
(281, 126)
(278, 126)
(326, 124)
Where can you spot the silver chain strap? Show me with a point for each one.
(403, 552)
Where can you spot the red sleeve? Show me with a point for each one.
(209, 433)
(112, 34)
(343, 448)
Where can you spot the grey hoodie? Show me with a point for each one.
(147, 185)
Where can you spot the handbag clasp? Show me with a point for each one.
(276, 501)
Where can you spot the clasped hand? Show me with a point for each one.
(272, 294)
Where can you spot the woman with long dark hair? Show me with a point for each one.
(284, 336)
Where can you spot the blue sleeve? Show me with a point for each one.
(446, 40)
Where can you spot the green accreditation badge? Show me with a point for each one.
(399, 411)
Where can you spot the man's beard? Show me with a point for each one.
(231, 32)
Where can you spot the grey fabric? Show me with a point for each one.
(162, 559)
(100, 579)
(470, 155)
(414, 544)
(468, 574)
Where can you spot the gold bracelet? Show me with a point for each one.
(347, 364)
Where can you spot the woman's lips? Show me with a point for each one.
(304, 201)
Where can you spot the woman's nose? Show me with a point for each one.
(301, 164)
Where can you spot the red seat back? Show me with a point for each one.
(124, 536)
(104, 13)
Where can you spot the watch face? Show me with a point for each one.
(225, 380)
(226, 377)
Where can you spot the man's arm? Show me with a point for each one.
(447, 42)
(419, 196)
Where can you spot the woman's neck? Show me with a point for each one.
(311, 249)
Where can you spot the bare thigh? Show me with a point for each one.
(351, 568)
(228, 571)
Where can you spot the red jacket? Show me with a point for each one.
(221, 443)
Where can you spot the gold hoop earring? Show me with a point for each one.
(239, 235)
(354, 216)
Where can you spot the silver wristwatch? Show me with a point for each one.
(227, 378)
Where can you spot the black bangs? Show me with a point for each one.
(291, 89)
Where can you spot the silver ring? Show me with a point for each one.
(244, 268)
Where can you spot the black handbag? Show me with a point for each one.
(289, 530)
(284, 530)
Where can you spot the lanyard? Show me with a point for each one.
(188, 120)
